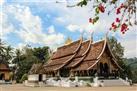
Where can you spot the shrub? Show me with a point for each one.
(24, 77)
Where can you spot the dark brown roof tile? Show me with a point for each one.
(66, 50)
(95, 50)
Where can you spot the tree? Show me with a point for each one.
(116, 48)
(118, 52)
(125, 11)
(6, 52)
(24, 60)
(2, 47)
(131, 68)
(42, 53)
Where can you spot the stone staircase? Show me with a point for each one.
(114, 82)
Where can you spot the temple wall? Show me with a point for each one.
(6, 73)
(44, 77)
(105, 58)
(34, 77)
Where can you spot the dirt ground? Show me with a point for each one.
(20, 87)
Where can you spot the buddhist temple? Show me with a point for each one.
(81, 58)
(4, 71)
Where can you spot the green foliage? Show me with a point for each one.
(128, 65)
(41, 53)
(104, 1)
(131, 68)
(118, 51)
(97, 10)
(5, 52)
(27, 58)
(83, 2)
(24, 77)
(95, 19)
(116, 48)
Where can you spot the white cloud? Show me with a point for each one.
(51, 29)
(130, 48)
(129, 42)
(76, 19)
(73, 28)
(60, 19)
(21, 46)
(1, 2)
(30, 28)
(6, 27)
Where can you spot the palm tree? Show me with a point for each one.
(8, 53)
(5, 52)
(1, 46)
(17, 58)
(2, 50)
(16, 61)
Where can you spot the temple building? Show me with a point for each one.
(4, 71)
(80, 58)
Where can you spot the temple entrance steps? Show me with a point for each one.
(114, 82)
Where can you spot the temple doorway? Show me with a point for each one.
(64, 72)
(104, 69)
(40, 77)
(2, 76)
(101, 69)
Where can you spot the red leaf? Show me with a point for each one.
(117, 20)
(118, 11)
(113, 24)
(101, 8)
(114, 27)
(90, 20)
(123, 27)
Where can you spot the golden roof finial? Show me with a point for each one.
(68, 41)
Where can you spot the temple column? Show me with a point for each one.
(58, 73)
(98, 68)
(109, 65)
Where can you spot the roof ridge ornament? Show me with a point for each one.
(68, 41)
(91, 36)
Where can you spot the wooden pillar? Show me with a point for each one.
(58, 73)
(109, 63)
(98, 68)
(88, 72)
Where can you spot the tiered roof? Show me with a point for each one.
(63, 55)
(91, 57)
(77, 56)
(80, 54)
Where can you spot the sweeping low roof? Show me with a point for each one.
(78, 55)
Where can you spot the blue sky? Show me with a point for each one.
(47, 23)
